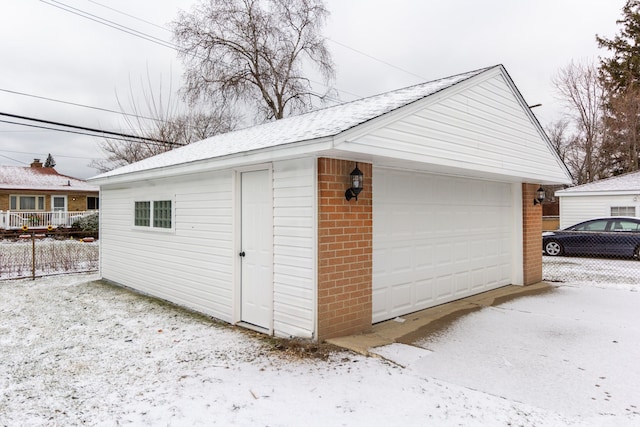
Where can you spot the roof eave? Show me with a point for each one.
(262, 155)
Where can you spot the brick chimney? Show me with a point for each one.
(36, 163)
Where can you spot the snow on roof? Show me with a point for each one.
(317, 124)
(41, 179)
(627, 182)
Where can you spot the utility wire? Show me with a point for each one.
(100, 131)
(162, 27)
(111, 24)
(149, 37)
(54, 154)
(78, 105)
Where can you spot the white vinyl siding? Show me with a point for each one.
(483, 131)
(437, 239)
(193, 265)
(294, 239)
(574, 209)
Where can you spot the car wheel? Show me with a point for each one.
(553, 248)
(637, 252)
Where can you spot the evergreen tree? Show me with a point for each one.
(49, 163)
(620, 75)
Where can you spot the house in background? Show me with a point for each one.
(38, 196)
(617, 196)
(319, 225)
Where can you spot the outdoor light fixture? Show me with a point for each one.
(356, 184)
(539, 196)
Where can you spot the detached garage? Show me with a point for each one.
(318, 225)
(617, 196)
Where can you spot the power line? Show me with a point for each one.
(148, 37)
(77, 105)
(130, 16)
(56, 155)
(100, 131)
(111, 24)
(57, 130)
(175, 47)
(377, 59)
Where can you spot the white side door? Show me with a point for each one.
(256, 251)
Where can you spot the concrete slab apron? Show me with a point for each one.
(415, 326)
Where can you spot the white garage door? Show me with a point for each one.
(437, 239)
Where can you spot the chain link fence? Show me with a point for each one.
(33, 255)
(593, 256)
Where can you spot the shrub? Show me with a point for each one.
(89, 223)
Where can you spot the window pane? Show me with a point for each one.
(142, 214)
(27, 203)
(13, 203)
(623, 211)
(92, 203)
(41, 203)
(162, 214)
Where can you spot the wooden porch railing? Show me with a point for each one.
(12, 220)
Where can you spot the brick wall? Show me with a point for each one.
(532, 235)
(345, 231)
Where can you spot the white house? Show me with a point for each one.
(615, 196)
(254, 227)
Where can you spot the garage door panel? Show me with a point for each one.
(437, 239)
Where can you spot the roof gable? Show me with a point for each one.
(323, 123)
(40, 179)
(491, 134)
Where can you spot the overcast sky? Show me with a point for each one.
(51, 53)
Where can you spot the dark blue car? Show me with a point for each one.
(611, 236)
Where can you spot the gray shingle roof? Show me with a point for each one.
(322, 123)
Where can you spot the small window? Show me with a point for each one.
(93, 203)
(623, 211)
(162, 214)
(155, 214)
(142, 214)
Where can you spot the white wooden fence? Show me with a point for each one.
(12, 220)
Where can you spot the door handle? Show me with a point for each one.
(241, 254)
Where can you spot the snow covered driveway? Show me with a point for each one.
(575, 351)
(76, 351)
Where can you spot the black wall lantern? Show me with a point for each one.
(539, 196)
(356, 184)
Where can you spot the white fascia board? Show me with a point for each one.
(265, 155)
(562, 193)
(397, 158)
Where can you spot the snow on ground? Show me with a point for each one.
(75, 351)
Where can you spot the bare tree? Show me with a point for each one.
(254, 51)
(580, 89)
(166, 123)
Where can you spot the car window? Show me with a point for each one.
(599, 225)
(623, 225)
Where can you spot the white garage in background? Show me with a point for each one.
(253, 227)
(617, 196)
